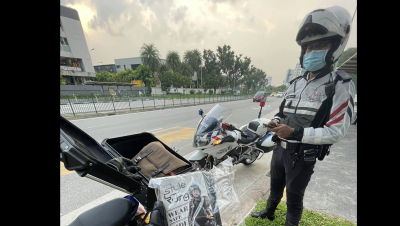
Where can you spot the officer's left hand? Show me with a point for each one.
(282, 130)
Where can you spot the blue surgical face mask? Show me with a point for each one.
(315, 60)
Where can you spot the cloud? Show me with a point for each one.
(179, 13)
(262, 30)
(269, 26)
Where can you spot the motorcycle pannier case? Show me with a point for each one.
(154, 157)
(81, 153)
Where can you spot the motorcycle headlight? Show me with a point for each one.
(201, 142)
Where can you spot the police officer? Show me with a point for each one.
(315, 113)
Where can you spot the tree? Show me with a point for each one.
(163, 68)
(150, 56)
(144, 73)
(105, 76)
(186, 70)
(173, 60)
(241, 68)
(63, 80)
(212, 71)
(124, 76)
(226, 61)
(346, 55)
(166, 80)
(193, 58)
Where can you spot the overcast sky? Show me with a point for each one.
(264, 30)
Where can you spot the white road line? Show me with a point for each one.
(153, 130)
(94, 126)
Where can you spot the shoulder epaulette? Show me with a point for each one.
(342, 75)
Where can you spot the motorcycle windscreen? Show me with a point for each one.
(211, 122)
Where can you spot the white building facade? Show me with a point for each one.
(130, 63)
(75, 60)
(298, 71)
(269, 81)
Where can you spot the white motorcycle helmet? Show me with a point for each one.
(332, 23)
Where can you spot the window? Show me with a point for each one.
(134, 66)
(75, 64)
(118, 66)
(63, 62)
(63, 41)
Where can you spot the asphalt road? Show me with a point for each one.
(174, 126)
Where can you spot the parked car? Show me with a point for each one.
(279, 94)
(273, 94)
(259, 96)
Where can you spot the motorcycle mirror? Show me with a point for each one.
(201, 112)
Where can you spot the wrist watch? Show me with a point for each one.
(294, 133)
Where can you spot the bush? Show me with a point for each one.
(222, 92)
(210, 91)
(199, 92)
(192, 91)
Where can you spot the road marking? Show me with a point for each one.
(63, 170)
(175, 136)
(153, 130)
(166, 129)
(94, 127)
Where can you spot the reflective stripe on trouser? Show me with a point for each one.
(296, 181)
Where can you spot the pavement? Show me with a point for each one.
(332, 188)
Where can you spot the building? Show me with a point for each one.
(269, 81)
(129, 63)
(106, 67)
(299, 71)
(75, 60)
(289, 76)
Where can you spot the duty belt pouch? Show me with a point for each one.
(156, 161)
(324, 151)
(309, 153)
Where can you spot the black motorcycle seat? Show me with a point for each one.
(250, 137)
(115, 212)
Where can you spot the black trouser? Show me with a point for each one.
(296, 180)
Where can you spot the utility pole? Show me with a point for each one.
(201, 74)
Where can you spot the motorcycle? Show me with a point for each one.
(217, 140)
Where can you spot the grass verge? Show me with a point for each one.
(308, 218)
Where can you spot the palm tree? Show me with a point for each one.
(150, 56)
(186, 70)
(173, 60)
(193, 58)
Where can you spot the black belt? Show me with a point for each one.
(288, 145)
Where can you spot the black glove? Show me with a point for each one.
(125, 166)
(158, 216)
